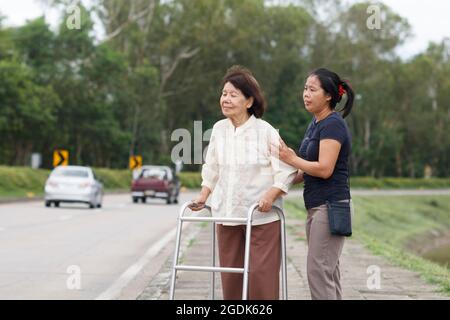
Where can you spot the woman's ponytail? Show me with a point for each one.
(350, 98)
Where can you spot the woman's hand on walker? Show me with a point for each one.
(197, 204)
(264, 205)
(283, 152)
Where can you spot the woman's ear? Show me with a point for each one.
(250, 102)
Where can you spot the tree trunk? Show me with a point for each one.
(412, 172)
(366, 147)
(18, 154)
(79, 149)
(134, 131)
(398, 164)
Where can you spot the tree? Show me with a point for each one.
(27, 113)
(160, 64)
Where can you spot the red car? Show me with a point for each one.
(156, 182)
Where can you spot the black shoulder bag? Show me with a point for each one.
(339, 218)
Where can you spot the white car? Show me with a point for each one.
(73, 184)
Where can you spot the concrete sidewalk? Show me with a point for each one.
(395, 283)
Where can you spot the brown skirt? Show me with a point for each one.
(265, 259)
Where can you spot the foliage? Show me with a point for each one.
(159, 67)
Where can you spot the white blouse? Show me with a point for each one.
(239, 169)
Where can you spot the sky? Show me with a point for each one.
(429, 19)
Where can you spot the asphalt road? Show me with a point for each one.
(73, 252)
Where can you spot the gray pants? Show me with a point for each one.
(324, 250)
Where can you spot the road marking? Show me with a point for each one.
(116, 288)
(62, 218)
(2, 229)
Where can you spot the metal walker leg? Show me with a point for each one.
(213, 269)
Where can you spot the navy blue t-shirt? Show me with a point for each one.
(318, 190)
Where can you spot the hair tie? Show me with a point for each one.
(341, 90)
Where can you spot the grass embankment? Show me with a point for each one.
(386, 225)
(193, 180)
(22, 182)
(18, 182)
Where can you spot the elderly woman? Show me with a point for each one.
(239, 171)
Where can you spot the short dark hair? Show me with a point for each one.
(243, 79)
(330, 82)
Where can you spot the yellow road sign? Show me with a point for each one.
(135, 162)
(60, 158)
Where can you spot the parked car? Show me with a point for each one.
(73, 184)
(156, 182)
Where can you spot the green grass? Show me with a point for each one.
(430, 271)
(17, 182)
(396, 183)
(386, 225)
(20, 182)
(193, 180)
(114, 179)
(24, 182)
(295, 209)
(191, 242)
(399, 183)
(401, 219)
